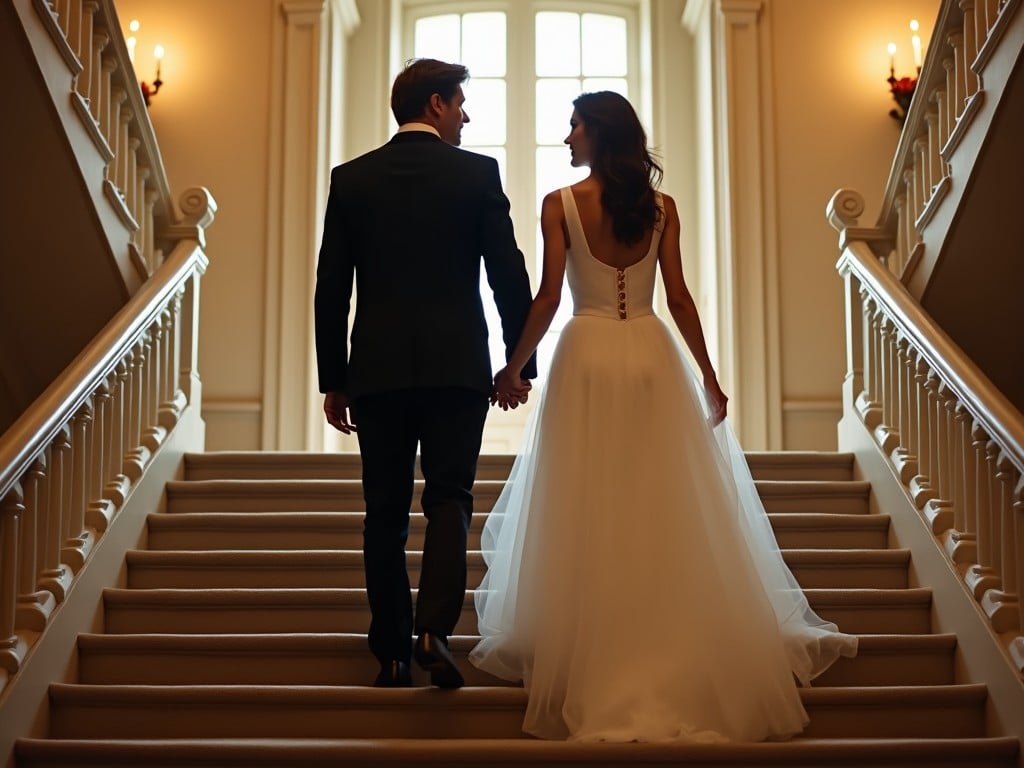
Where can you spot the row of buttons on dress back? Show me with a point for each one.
(620, 278)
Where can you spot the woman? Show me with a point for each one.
(634, 583)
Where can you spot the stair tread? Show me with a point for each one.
(348, 558)
(346, 641)
(475, 697)
(272, 751)
(345, 595)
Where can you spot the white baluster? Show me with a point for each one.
(970, 38)
(951, 102)
(73, 29)
(56, 575)
(960, 68)
(926, 383)
(905, 458)
(939, 510)
(125, 115)
(132, 190)
(117, 99)
(1017, 643)
(935, 170)
(97, 96)
(12, 647)
(902, 254)
(921, 169)
(1001, 603)
(118, 483)
(99, 511)
(79, 543)
(34, 606)
(961, 545)
(150, 249)
(84, 81)
(991, 11)
(108, 109)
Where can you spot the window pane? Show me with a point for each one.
(554, 171)
(558, 44)
(617, 84)
(554, 108)
(483, 44)
(604, 45)
(437, 37)
(485, 105)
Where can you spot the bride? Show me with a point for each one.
(634, 583)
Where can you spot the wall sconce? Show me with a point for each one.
(148, 90)
(902, 88)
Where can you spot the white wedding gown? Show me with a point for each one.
(634, 583)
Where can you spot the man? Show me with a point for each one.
(411, 221)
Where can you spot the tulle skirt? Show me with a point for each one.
(634, 583)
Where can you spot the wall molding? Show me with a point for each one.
(746, 238)
(304, 85)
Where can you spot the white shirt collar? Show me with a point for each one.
(406, 127)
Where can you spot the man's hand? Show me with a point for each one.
(510, 391)
(337, 408)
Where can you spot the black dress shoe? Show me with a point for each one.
(431, 653)
(393, 674)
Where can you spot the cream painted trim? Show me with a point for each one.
(748, 291)
(291, 225)
(810, 405)
(231, 406)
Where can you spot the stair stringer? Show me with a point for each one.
(981, 653)
(24, 703)
(59, 76)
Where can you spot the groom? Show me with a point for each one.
(411, 220)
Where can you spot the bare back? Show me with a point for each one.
(597, 228)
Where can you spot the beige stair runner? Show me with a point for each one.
(238, 640)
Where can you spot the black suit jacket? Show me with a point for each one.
(411, 220)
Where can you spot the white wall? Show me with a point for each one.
(212, 119)
(831, 129)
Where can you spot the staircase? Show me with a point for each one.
(238, 640)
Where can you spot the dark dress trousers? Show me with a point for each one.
(411, 222)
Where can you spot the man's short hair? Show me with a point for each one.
(420, 79)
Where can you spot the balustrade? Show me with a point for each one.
(955, 442)
(68, 465)
(111, 100)
(947, 95)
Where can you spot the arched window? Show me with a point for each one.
(527, 62)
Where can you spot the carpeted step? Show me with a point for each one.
(114, 711)
(283, 465)
(250, 496)
(344, 530)
(344, 659)
(834, 496)
(515, 753)
(226, 569)
(219, 611)
(838, 497)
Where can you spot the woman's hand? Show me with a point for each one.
(510, 390)
(717, 401)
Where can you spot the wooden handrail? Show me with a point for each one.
(38, 426)
(1001, 419)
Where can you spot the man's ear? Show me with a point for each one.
(436, 104)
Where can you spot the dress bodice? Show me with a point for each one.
(603, 290)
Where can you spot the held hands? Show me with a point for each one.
(510, 391)
(717, 401)
(337, 409)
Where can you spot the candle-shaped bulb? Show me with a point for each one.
(133, 25)
(158, 54)
(131, 43)
(892, 59)
(915, 42)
